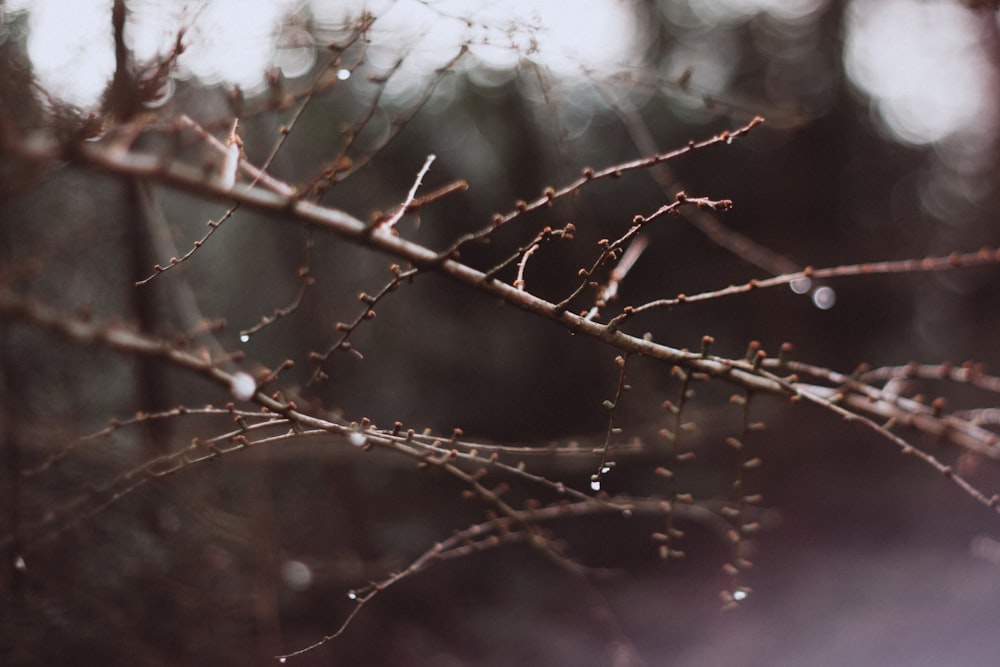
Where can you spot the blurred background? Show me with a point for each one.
(879, 143)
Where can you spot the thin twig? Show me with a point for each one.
(386, 225)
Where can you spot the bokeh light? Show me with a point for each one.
(235, 42)
(924, 67)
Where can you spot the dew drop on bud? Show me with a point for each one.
(242, 386)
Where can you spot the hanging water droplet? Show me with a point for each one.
(19, 564)
(244, 338)
(242, 386)
(351, 595)
(800, 285)
(605, 470)
(357, 439)
(282, 660)
(343, 74)
(595, 483)
(739, 595)
(824, 297)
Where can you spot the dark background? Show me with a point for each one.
(867, 557)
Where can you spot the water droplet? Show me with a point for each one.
(19, 564)
(739, 595)
(244, 338)
(282, 660)
(357, 439)
(242, 386)
(605, 470)
(824, 297)
(595, 484)
(297, 575)
(343, 74)
(351, 595)
(800, 285)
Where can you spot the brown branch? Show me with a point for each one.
(744, 373)
(589, 175)
(502, 531)
(955, 260)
